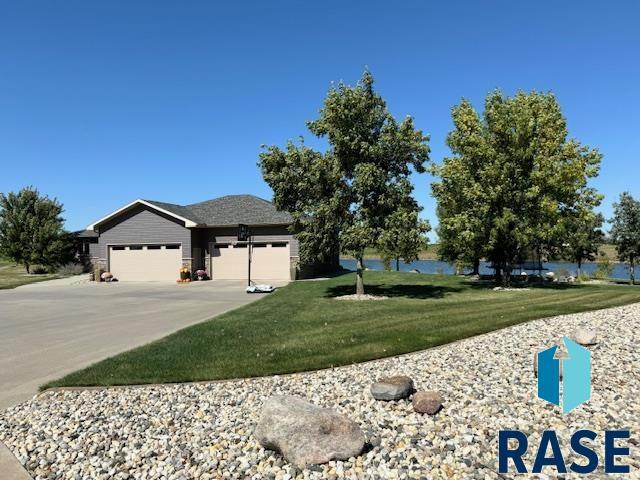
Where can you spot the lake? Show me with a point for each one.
(620, 270)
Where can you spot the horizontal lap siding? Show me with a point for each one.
(141, 225)
(260, 235)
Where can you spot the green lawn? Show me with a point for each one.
(302, 327)
(12, 276)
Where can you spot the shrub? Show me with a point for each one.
(584, 277)
(604, 268)
(38, 270)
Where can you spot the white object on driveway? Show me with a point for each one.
(261, 288)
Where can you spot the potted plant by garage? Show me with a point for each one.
(201, 275)
(185, 275)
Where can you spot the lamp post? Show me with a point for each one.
(244, 235)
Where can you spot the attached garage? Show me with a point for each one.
(269, 261)
(144, 263)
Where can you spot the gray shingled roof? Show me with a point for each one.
(85, 234)
(229, 210)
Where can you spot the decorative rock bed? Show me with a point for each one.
(206, 431)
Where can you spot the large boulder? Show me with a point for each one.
(306, 434)
(585, 336)
(392, 388)
(429, 402)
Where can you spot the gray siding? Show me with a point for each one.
(260, 234)
(141, 225)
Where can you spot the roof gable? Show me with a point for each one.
(224, 211)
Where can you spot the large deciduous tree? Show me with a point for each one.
(31, 230)
(512, 182)
(625, 231)
(353, 194)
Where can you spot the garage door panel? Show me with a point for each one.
(229, 263)
(268, 262)
(148, 263)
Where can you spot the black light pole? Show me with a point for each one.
(250, 247)
(245, 235)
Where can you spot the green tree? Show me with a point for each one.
(583, 236)
(31, 230)
(625, 231)
(403, 237)
(462, 227)
(346, 196)
(513, 179)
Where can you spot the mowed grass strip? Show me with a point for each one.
(302, 327)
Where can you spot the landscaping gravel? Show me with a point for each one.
(205, 430)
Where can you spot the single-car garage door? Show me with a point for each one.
(145, 262)
(269, 261)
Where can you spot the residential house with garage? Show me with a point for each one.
(148, 240)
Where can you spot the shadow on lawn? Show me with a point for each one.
(395, 291)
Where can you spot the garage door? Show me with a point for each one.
(145, 262)
(269, 261)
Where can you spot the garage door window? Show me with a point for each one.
(278, 245)
(172, 247)
(154, 247)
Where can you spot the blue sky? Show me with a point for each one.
(105, 102)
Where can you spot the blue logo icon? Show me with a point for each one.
(574, 370)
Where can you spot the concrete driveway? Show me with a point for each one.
(50, 329)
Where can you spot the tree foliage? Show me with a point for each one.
(625, 231)
(513, 181)
(31, 230)
(356, 192)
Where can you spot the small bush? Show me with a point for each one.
(605, 267)
(38, 270)
(584, 277)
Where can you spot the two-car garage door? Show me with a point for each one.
(269, 261)
(145, 262)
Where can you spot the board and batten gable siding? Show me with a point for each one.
(142, 225)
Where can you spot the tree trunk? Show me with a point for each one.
(579, 267)
(476, 267)
(506, 275)
(397, 264)
(632, 271)
(27, 267)
(359, 277)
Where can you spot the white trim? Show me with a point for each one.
(187, 223)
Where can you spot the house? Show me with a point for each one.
(149, 240)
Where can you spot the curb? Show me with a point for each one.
(10, 467)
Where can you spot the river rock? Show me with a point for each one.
(585, 336)
(306, 434)
(392, 388)
(429, 402)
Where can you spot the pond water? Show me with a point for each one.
(620, 270)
